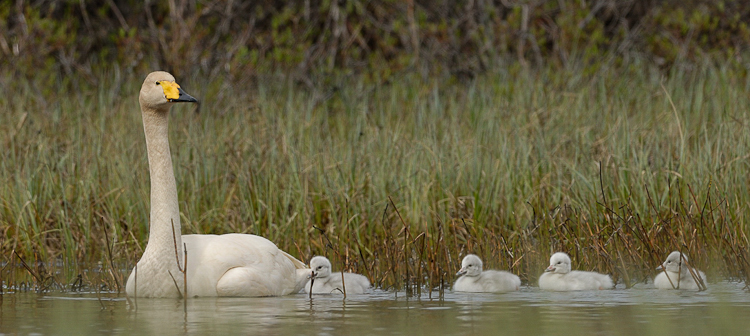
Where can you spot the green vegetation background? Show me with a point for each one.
(613, 130)
(379, 38)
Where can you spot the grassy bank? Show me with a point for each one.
(617, 169)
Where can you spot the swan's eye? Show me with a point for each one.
(157, 83)
(559, 262)
(320, 267)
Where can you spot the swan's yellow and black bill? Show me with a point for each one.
(174, 93)
(183, 97)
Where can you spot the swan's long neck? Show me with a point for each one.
(164, 205)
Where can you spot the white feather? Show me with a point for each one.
(327, 282)
(559, 277)
(676, 275)
(473, 279)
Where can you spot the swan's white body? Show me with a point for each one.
(218, 265)
(473, 279)
(559, 277)
(327, 282)
(675, 274)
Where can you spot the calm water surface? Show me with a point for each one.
(722, 310)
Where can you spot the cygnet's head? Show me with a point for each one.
(160, 91)
(471, 266)
(559, 263)
(320, 266)
(674, 263)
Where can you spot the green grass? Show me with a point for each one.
(506, 166)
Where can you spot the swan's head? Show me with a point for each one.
(559, 263)
(320, 266)
(674, 263)
(160, 91)
(471, 266)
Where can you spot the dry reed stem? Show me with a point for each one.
(405, 250)
(110, 259)
(181, 268)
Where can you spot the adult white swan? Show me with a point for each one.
(218, 265)
(326, 282)
(676, 275)
(559, 277)
(473, 279)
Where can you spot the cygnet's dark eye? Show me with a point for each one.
(320, 267)
(559, 262)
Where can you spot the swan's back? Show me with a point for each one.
(582, 280)
(686, 280)
(239, 265)
(488, 282)
(575, 280)
(355, 284)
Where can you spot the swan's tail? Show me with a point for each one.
(297, 264)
